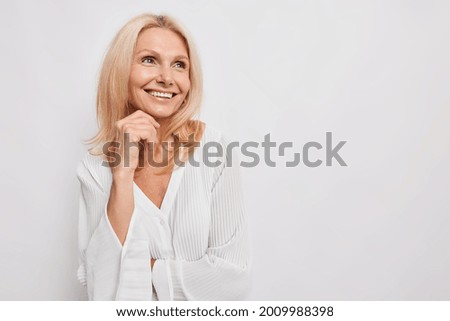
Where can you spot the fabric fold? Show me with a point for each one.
(81, 274)
(210, 278)
(162, 280)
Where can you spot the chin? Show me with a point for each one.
(160, 112)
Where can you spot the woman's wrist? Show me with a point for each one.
(123, 175)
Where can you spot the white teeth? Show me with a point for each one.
(160, 94)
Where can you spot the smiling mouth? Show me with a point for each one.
(160, 94)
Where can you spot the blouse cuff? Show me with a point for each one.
(135, 283)
(205, 279)
(135, 276)
(100, 267)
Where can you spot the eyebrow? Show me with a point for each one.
(157, 54)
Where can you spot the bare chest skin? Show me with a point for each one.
(154, 186)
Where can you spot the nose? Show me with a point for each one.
(165, 76)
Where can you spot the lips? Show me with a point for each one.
(160, 94)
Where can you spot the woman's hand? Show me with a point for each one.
(140, 127)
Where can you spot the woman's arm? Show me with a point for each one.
(99, 249)
(131, 131)
(109, 270)
(104, 222)
(121, 203)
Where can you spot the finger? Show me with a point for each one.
(139, 131)
(139, 114)
(138, 117)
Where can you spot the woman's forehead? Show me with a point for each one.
(161, 41)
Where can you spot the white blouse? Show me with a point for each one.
(198, 236)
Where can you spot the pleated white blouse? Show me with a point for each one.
(198, 236)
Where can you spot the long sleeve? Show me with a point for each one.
(110, 271)
(223, 272)
(99, 248)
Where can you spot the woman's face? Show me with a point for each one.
(159, 76)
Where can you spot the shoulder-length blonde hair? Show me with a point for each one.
(112, 93)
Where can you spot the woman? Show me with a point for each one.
(153, 225)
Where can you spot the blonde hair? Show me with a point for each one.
(112, 93)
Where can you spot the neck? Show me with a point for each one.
(157, 152)
(163, 124)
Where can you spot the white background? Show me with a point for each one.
(375, 73)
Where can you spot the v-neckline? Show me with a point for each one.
(169, 195)
(172, 186)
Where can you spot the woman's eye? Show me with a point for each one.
(149, 60)
(180, 64)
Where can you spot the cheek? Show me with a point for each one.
(185, 83)
(139, 76)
